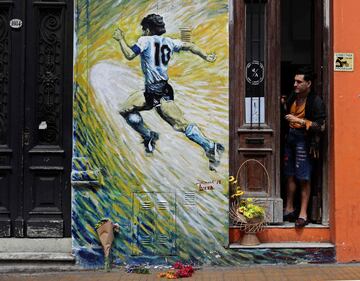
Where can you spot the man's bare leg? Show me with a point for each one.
(305, 196)
(302, 220)
(291, 188)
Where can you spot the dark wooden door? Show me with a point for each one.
(35, 116)
(11, 117)
(257, 65)
(254, 106)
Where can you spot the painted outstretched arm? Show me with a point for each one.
(125, 48)
(209, 57)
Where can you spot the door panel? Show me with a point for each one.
(46, 171)
(5, 151)
(40, 132)
(255, 100)
(11, 118)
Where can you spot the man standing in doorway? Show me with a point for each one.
(305, 114)
(155, 51)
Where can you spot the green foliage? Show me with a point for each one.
(247, 207)
(251, 210)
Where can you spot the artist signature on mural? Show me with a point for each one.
(205, 186)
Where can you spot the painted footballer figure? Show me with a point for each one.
(155, 52)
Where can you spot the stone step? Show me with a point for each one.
(36, 256)
(37, 267)
(29, 262)
(287, 245)
(38, 245)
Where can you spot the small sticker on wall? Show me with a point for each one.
(206, 186)
(344, 62)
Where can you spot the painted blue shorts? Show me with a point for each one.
(297, 161)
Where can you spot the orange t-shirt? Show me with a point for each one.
(299, 112)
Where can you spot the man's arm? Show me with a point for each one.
(211, 57)
(318, 122)
(125, 48)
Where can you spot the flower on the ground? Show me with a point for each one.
(182, 271)
(105, 229)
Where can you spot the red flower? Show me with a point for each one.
(178, 265)
(186, 271)
(182, 271)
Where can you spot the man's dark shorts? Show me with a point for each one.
(297, 161)
(157, 91)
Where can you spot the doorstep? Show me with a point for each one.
(31, 250)
(36, 257)
(28, 255)
(291, 225)
(39, 245)
(285, 233)
(288, 245)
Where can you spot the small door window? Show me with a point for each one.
(255, 63)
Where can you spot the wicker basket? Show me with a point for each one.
(249, 226)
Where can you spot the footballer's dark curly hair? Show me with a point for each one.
(154, 23)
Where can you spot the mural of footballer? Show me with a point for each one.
(155, 52)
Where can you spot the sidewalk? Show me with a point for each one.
(250, 273)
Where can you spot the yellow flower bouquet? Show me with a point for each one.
(246, 208)
(249, 214)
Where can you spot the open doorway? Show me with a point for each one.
(300, 46)
(271, 39)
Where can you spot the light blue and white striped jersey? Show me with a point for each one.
(155, 52)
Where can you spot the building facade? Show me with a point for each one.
(72, 153)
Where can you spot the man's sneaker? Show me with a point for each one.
(214, 155)
(149, 142)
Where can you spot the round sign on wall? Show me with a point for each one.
(16, 23)
(254, 72)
